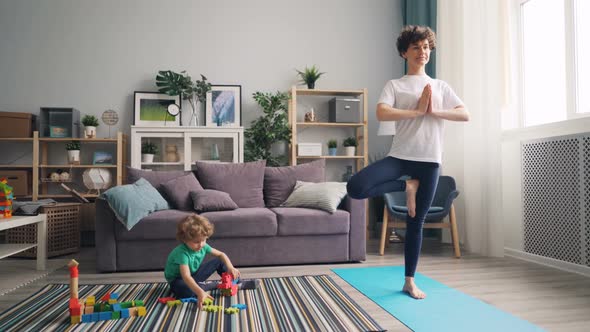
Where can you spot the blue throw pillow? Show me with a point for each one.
(133, 202)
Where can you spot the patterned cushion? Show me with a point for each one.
(323, 196)
(280, 181)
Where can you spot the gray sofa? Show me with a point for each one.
(251, 236)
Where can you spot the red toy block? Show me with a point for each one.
(165, 300)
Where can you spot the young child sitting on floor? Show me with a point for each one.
(184, 270)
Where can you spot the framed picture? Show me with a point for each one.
(224, 106)
(102, 158)
(150, 109)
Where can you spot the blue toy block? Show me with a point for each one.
(114, 296)
(116, 307)
(95, 317)
(105, 315)
(240, 306)
(124, 313)
(87, 318)
(189, 300)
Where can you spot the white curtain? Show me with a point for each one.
(472, 57)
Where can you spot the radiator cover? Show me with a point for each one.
(556, 197)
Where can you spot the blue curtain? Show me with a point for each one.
(421, 12)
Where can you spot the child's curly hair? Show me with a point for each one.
(412, 34)
(193, 227)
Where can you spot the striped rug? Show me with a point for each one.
(306, 303)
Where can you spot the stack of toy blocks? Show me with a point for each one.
(228, 286)
(106, 309)
(6, 197)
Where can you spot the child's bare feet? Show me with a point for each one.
(411, 189)
(413, 290)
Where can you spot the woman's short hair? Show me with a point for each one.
(412, 34)
(193, 227)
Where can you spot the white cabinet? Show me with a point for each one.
(180, 147)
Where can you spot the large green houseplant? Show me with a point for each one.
(271, 128)
(181, 84)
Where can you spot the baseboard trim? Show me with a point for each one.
(565, 266)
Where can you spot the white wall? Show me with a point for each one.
(92, 55)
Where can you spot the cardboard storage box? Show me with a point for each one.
(309, 149)
(19, 180)
(345, 110)
(16, 124)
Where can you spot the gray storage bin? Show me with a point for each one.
(59, 122)
(345, 110)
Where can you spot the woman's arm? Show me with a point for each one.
(458, 113)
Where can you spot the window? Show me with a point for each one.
(555, 61)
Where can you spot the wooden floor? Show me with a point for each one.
(550, 298)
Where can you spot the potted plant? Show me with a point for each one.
(332, 147)
(269, 130)
(148, 151)
(309, 76)
(90, 123)
(181, 84)
(73, 148)
(350, 144)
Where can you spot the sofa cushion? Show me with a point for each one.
(243, 222)
(156, 178)
(160, 225)
(243, 181)
(132, 202)
(280, 181)
(324, 196)
(212, 200)
(302, 221)
(178, 191)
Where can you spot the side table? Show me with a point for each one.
(13, 248)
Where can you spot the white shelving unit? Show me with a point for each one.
(192, 143)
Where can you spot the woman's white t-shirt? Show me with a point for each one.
(421, 138)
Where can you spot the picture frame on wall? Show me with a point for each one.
(224, 106)
(150, 109)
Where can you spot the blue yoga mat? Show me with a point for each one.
(444, 308)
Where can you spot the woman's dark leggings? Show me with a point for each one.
(382, 177)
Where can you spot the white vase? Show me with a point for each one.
(350, 150)
(74, 156)
(196, 107)
(147, 158)
(89, 132)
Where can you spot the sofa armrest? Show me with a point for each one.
(106, 247)
(358, 227)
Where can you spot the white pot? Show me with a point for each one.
(350, 150)
(74, 156)
(89, 132)
(147, 158)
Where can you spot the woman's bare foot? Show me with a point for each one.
(411, 189)
(413, 290)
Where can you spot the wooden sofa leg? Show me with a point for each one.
(454, 232)
(383, 231)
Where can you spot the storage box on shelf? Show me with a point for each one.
(63, 231)
(17, 125)
(59, 122)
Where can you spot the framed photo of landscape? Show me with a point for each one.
(150, 109)
(224, 106)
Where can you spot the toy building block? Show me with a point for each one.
(116, 315)
(105, 315)
(106, 297)
(240, 306)
(89, 310)
(95, 316)
(112, 301)
(126, 304)
(226, 285)
(189, 300)
(91, 300)
(207, 301)
(141, 311)
(75, 319)
(165, 300)
(116, 307)
(173, 303)
(73, 266)
(87, 318)
(115, 296)
(133, 312)
(232, 311)
(138, 303)
(125, 313)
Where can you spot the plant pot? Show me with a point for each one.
(147, 158)
(311, 85)
(89, 132)
(332, 151)
(350, 150)
(74, 157)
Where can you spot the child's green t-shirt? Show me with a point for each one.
(183, 255)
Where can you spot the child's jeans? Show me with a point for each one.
(181, 289)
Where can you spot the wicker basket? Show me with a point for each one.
(63, 231)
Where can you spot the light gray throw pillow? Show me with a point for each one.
(322, 196)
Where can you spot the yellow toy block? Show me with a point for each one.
(112, 301)
(141, 311)
(91, 300)
(75, 319)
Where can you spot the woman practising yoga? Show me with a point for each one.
(419, 105)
